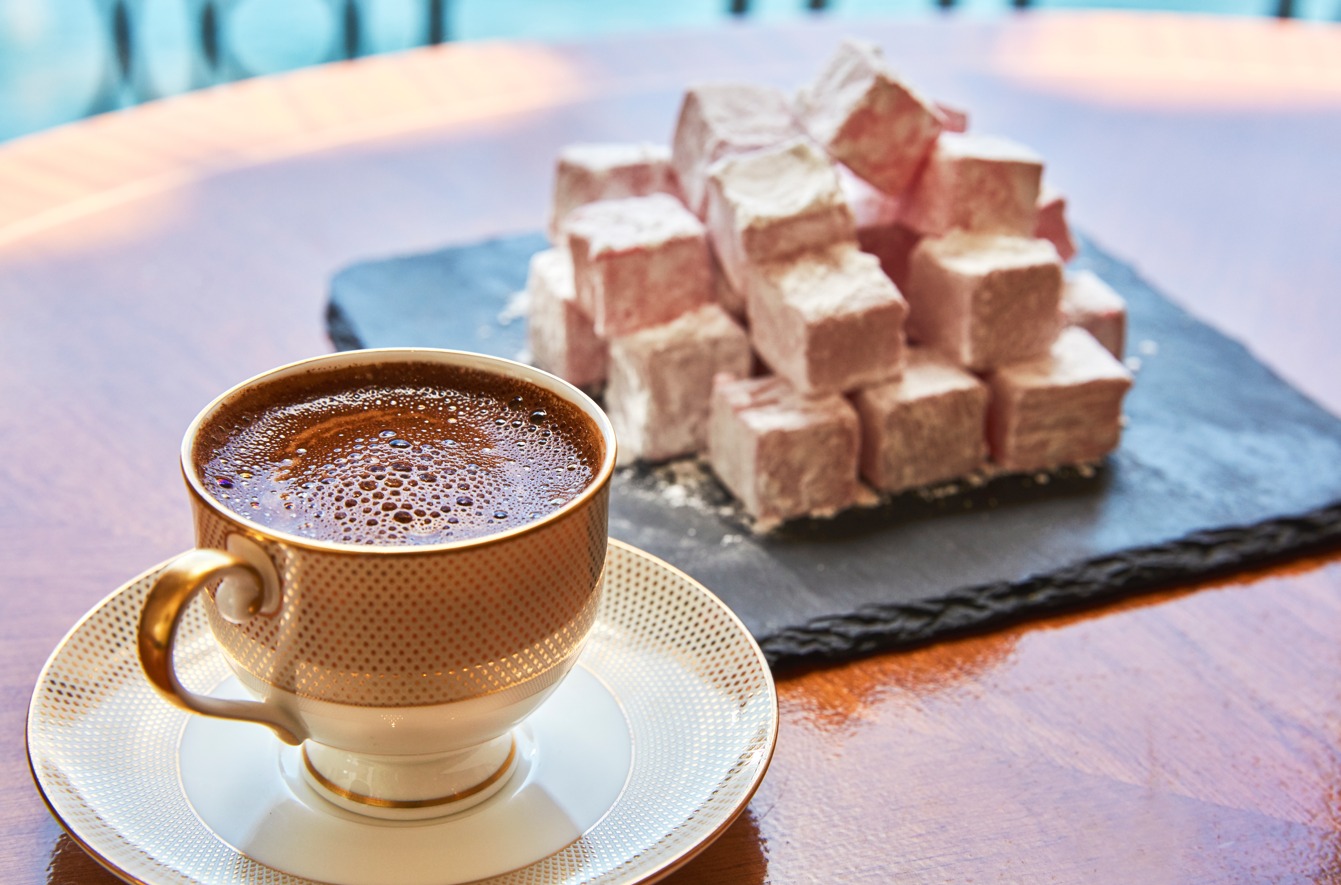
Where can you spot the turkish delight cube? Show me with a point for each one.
(1091, 304)
(979, 183)
(828, 320)
(868, 118)
(719, 120)
(590, 172)
(1051, 224)
(1064, 407)
(773, 203)
(781, 453)
(926, 427)
(984, 300)
(561, 335)
(638, 262)
(660, 381)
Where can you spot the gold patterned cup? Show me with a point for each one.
(401, 670)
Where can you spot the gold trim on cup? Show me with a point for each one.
(434, 802)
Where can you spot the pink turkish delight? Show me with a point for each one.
(638, 262)
(660, 381)
(1091, 304)
(781, 453)
(1051, 223)
(984, 300)
(723, 119)
(590, 172)
(827, 321)
(1064, 407)
(868, 118)
(561, 335)
(929, 426)
(979, 183)
(770, 204)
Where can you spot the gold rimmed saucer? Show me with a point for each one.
(666, 656)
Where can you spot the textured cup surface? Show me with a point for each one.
(501, 616)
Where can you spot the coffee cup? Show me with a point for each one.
(400, 552)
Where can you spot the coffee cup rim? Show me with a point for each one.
(365, 356)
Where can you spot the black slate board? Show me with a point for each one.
(1222, 465)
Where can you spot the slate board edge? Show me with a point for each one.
(1198, 556)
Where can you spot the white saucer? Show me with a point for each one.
(644, 755)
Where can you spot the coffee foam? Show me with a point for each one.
(403, 453)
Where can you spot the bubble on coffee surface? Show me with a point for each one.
(412, 460)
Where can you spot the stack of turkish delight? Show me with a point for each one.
(820, 295)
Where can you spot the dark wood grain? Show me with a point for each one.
(152, 258)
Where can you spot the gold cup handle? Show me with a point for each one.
(163, 608)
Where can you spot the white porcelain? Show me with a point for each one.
(651, 747)
(574, 759)
(450, 757)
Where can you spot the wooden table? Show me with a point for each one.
(151, 258)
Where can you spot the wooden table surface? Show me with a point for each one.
(151, 258)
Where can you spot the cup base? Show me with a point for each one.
(410, 787)
(574, 758)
